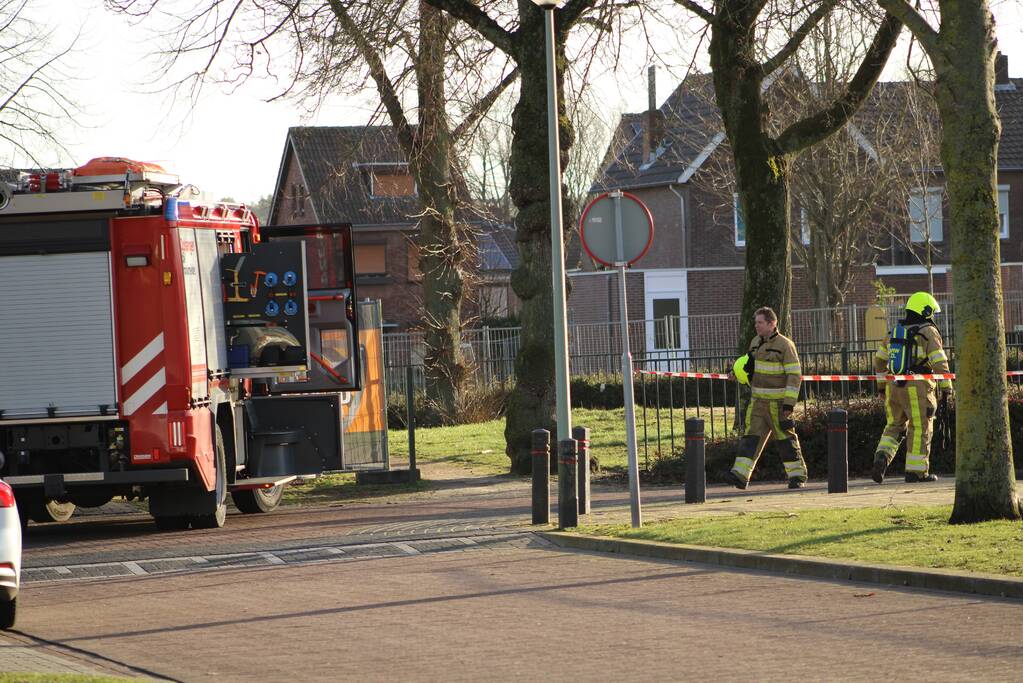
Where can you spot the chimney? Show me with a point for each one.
(653, 130)
(1001, 69)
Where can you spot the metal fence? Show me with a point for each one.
(674, 343)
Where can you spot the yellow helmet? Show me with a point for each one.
(924, 304)
(739, 369)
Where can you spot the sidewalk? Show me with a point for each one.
(721, 499)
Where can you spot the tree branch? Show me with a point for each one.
(916, 24)
(483, 105)
(388, 95)
(797, 38)
(570, 13)
(481, 22)
(815, 128)
(698, 10)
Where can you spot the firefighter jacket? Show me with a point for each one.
(776, 369)
(928, 356)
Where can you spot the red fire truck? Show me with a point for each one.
(159, 349)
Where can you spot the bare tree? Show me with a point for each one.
(962, 52)
(850, 190)
(518, 31)
(404, 47)
(763, 158)
(33, 103)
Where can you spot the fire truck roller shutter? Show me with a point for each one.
(57, 349)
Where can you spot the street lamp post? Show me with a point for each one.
(564, 403)
(562, 395)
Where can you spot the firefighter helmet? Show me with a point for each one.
(924, 304)
(739, 369)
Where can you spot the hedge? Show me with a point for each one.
(866, 420)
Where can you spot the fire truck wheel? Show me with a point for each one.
(50, 511)
(257, 500)
(216, 519)
(172, 522)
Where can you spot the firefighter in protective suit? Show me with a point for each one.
(774, 377)
(913, 347)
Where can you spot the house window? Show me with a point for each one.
(414, 273)
(370, 259)
(1003, 211)
(804, 227)
(392, 184)
(298, 197)
(925, 214)
(740, 222)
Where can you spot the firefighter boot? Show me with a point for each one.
(917, 478)
(880, 467)
(795, 467)
(742, 470)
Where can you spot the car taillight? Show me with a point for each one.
(6, 495)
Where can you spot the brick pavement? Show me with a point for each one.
(523, 613)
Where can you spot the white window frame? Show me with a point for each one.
(735, 219)
(932, 225)
(1003, 216)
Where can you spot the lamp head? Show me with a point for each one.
(546, 4)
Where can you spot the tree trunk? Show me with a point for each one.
(441, 253)
(985, 478)
(532, 402)
(760, 177)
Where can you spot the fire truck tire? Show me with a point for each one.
(8, 613)
(47, 511)
(216, 519)
(257, 500)
(172, 522)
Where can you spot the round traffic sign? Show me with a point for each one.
(610, 215)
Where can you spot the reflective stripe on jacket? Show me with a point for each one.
(928, 353)
(776, 369)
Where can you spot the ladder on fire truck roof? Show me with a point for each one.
(103, 184)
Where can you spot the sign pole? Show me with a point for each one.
(628, 391)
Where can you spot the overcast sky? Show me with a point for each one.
(231, 143)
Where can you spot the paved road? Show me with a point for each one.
(452, 585)
(512, 607)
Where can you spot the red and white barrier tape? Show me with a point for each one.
(818, 378)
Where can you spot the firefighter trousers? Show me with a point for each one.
(909, 409)
(763, 424)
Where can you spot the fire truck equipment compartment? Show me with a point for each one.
(57, 349)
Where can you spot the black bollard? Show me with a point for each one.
(696, 459)
(838, 451)
(410, 411)
(582, 437)
(568, 501)
(541, 476)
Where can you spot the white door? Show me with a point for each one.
(667, 315)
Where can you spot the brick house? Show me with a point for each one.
(671, 158)
(359, 175)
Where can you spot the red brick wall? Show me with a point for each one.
(290, 211)
(399, 293)
(589, 299)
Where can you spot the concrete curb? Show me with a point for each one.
(912, 577)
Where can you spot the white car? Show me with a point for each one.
(10, 556)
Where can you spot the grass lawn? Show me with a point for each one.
(329, 488)
(59, 678)
(480, 447)
(915, 536)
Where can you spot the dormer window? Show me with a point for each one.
(391, 181)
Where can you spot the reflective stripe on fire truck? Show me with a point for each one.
(145, 392)
(142, 358)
